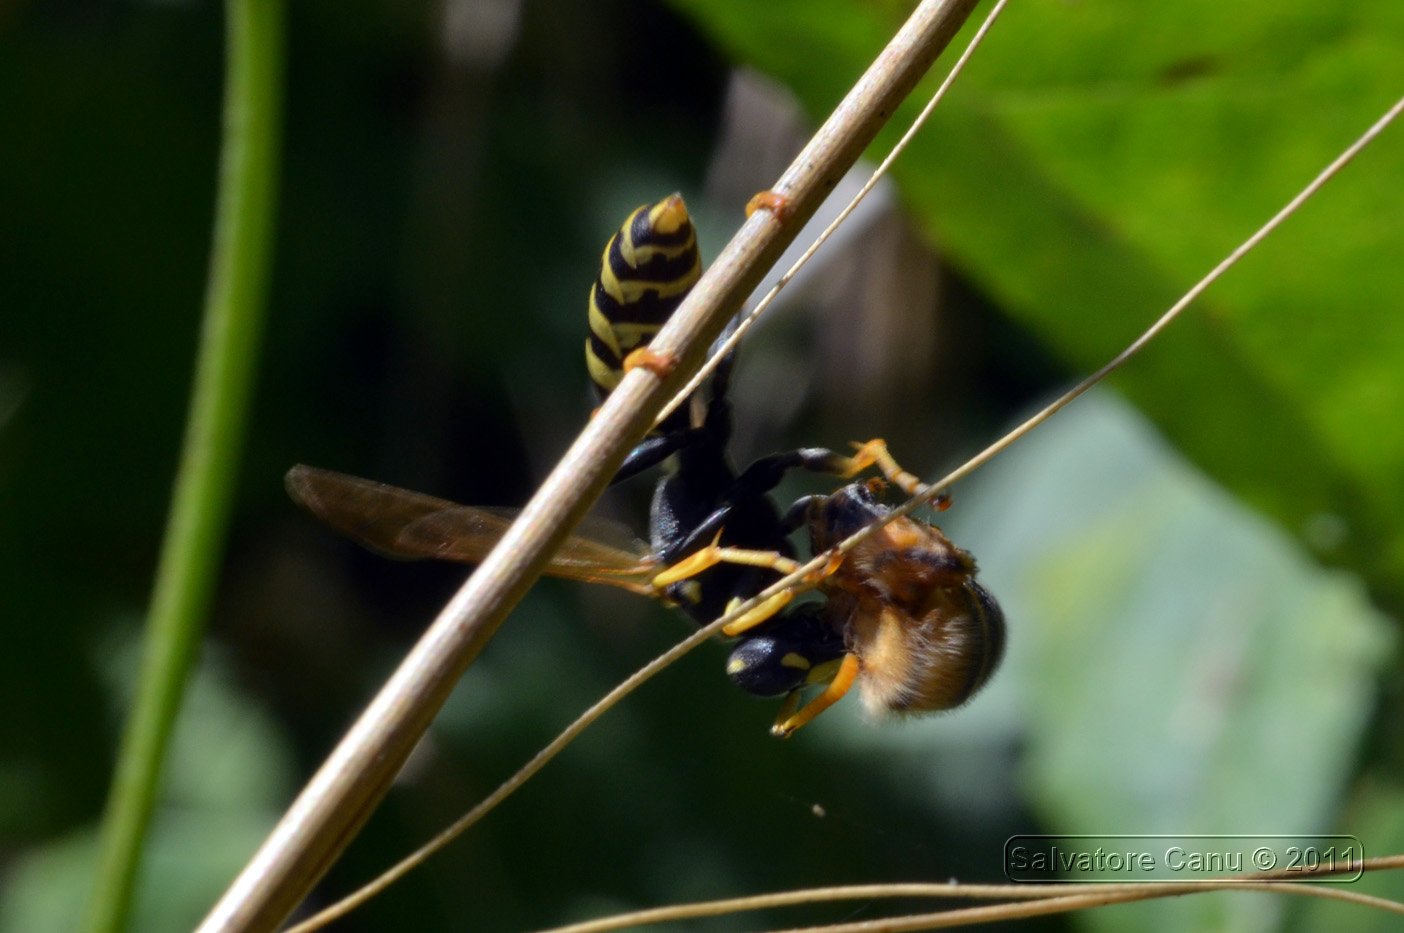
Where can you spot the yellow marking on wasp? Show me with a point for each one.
(638, 254)
(631, 336)
(823, 673)
(601, 373)
(668, 215)
(630, 291)
(602, 328)
(795, 660)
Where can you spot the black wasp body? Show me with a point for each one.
(648, 267)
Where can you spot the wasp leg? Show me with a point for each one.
(650, 452)
(772, 605)
(714, 554)
(819, 674)
(660, 364)
(843, 680)
(773, 201)
(787, 709)
(764, 611)
(765, 474)
(875, 453)
(768, 607)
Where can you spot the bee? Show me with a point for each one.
(920, 633)
(901, 616)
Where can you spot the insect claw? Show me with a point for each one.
(660, 364)
(833, 561)
(773, 201)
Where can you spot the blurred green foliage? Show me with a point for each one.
(1177, 663)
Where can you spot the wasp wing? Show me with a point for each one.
(400, 523)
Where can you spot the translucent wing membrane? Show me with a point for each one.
(400, 523)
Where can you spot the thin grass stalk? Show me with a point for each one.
(225, 364)
(1020, 900)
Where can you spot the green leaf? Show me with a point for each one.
(1099, 157)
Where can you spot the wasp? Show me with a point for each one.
(901, 616)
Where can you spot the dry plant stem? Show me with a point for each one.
(1031, 900)
(341, 796)
(749, 320)
(1274, 881)
(796, 581)
(967, 916)
(953, 891)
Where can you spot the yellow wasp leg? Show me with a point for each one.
(765, 610)
(660, 364)
(822, 674)
(770, 606)
(773, 201)
(713, 554)
(875, 453)
(843, 680)
(787, 708)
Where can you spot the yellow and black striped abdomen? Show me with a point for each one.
(647, 269)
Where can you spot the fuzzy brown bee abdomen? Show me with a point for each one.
(928, 661)
(926, 634)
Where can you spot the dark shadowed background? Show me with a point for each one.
(1198, 565)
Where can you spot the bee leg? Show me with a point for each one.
(844, 679)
